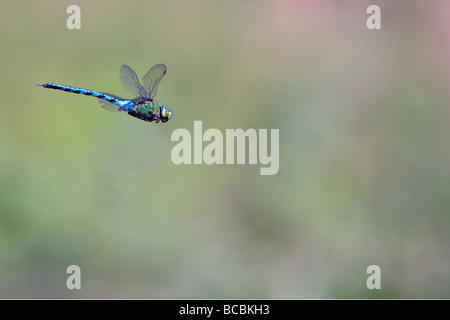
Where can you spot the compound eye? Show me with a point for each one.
(165, 114)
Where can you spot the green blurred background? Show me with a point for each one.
(364, 151)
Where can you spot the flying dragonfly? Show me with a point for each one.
(143, 107)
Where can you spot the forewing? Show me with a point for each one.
(153, 77)
(130, 81)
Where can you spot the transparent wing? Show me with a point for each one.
(153, 77)
(130, 81)
(109, 105)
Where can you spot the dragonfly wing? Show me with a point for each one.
(130, 81)
(109, 105)
(153, 77)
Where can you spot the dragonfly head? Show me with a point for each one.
(165, 113)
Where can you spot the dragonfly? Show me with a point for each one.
(143, 107)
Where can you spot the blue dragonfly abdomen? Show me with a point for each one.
(104, 96)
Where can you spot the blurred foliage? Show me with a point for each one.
(364, 155)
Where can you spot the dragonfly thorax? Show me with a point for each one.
(148, 107)
(150, 110)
